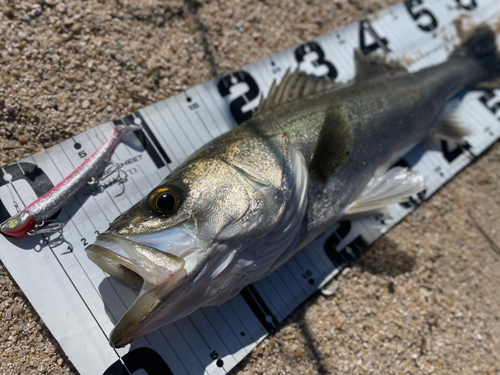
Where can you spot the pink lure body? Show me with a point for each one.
(47, 205)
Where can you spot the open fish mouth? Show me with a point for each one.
(158, 276)
(133, 262)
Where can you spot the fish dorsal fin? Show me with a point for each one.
(396, 185)
(370, 66)
(332, 147)
(294, 85)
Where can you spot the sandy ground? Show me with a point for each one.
(423, 300)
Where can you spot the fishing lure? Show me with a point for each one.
(33, 219)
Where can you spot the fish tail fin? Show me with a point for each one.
(482, 48)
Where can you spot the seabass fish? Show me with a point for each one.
(243, 204)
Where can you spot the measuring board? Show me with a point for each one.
(80, 304)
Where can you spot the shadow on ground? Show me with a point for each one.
(383, 259)
(386, 259)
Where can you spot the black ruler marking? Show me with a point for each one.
(259, 308)
(147, 139)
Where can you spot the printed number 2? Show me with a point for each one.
(311, 47)
(417, 14)
(452, 154)
(237, 104)
(364, 29)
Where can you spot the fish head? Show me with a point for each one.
(185, 245)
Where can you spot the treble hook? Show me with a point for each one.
(112, 168)
(49, 226)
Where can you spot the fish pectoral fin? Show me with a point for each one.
(396, 185)
(294, 85)
(332, 147)
(450, 125)
(370, 66)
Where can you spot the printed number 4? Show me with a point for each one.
(365, 29)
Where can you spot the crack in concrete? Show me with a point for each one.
(193, 8)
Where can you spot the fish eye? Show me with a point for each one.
(165, 200)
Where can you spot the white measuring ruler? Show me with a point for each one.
(80, 304)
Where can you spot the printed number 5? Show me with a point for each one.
(417, 14)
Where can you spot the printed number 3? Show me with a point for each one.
(311, 47)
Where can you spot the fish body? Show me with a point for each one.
(247, 201)
(22, 223)
(387, 116)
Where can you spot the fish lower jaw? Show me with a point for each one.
(137, 319)
(155, 275)
(148, 311)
